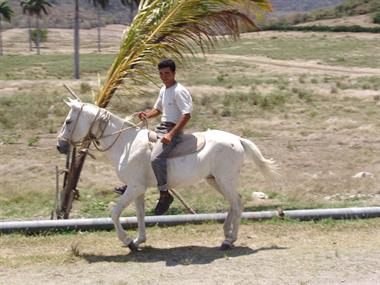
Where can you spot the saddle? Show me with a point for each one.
(190, 143)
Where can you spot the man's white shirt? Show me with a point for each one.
(173, 102)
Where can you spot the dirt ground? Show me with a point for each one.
(283, 253)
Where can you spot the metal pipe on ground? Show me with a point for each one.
(131, 222)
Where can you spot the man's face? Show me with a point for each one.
(167, 76)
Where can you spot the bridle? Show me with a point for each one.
(103, 118)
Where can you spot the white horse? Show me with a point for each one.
(219, 162)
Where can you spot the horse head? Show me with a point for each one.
(77, 128)
(77, 125)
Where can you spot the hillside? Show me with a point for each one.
(292, 6)
(61, 15)
(348, 8)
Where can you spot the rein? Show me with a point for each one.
(105, 119)
(94, 139)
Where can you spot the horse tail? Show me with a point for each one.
(268, 167)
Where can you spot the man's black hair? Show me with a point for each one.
(167, 63)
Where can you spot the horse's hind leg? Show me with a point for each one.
(227, 187)
(227, 222)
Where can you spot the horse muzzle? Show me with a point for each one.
(63, 146)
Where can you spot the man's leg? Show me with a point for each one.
(159, 158)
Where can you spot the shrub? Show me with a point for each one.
(376, 18)
(43, 35)
(84, 88)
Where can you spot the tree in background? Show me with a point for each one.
(6, 13)
(99, 4)
(25, 7)
(376, 18)
(36, 8)
(103, 4)
(133, 4)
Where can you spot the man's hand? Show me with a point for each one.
(142, 116)
(167, 138)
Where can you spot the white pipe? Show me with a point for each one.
(131, 222)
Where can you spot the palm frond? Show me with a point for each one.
(35, 7)
(171, 29)
(6, 11)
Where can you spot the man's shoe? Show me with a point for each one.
(120, 190)
(163, 203)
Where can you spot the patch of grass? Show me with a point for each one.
(328, 50)
(22, 204)
(9, 139)
(54, 66)
(33, 140)
(84, 88)
(16, 111)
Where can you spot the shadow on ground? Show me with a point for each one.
(184, 255)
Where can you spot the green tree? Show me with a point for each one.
(36, 8)
(134, 6)
(376, 18)
(25, 7)
(6, 13)
(103, 4)
(99, 4)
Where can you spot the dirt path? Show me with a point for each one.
(284, 253)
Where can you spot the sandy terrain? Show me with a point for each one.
(345, 253)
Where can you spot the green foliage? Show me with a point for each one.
(51, 66)
(376, 18)
(84, 88)
(35, 7)
(42, 33)
(5, 11)
(320, 28)
(16, 111)
(33, 140)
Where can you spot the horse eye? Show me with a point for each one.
(68, 122)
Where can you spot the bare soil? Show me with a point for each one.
(308, 253)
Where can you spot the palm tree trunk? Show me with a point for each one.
(98, 27)
(76, 40)
(30, 33)
(38, 37)
(1, 38)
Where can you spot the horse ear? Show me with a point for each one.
(68, 103)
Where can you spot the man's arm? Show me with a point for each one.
(182, 123)
(150, 114)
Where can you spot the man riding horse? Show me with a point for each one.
(174, 103)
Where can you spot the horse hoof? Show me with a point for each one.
(133, 247)
(226, 245)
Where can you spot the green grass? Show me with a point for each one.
(343, 51)
(44, 107)
(51, 66)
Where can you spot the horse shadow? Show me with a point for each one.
(183, 255)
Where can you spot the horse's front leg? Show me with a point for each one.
(140, 213)
(129, 195)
